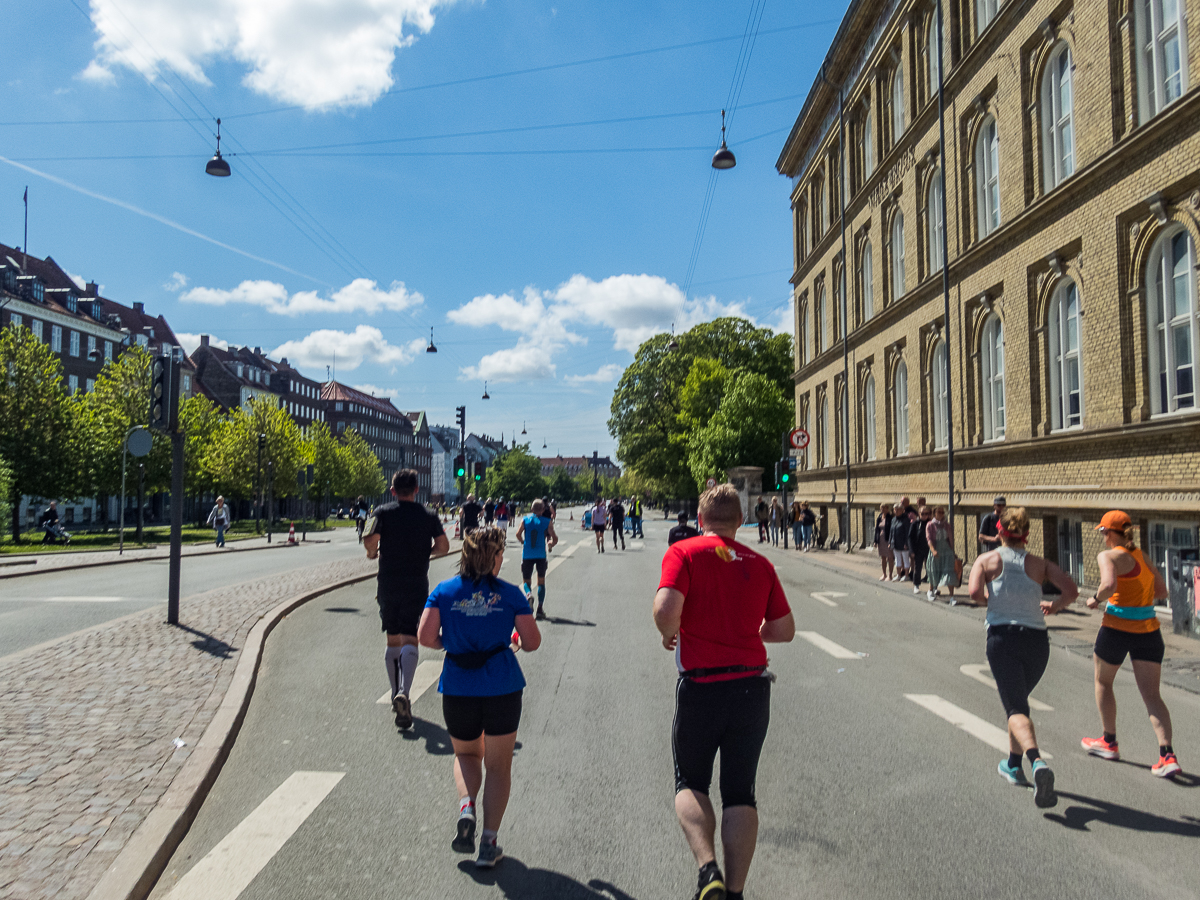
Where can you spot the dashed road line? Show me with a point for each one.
(82, 599)
(979, 673)
(824, 597)
(426, 677)
(968, 722)
(837, 651)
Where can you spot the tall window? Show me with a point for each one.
(73, 343)
(931, 43)
(1058, 120)
(993, 379)
(839, 320)
(897, 255)
(819, 317)
(868, 144)
(985, 11)
(987, 177)
(940, 396)
(1066, 377)
(1171, 308)
(823, 442)
(868, 416)
(56, 338)
(1161, 28)
(866, 276)
(900, 408)
(802, 230)
(802, 332)
(897, 103)
(933, 214)
(820, 215)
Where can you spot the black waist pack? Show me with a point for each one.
(475, 659)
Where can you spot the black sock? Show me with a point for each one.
(733, 895)
(1165, 749)
(1110, 737)
(1014, 760)
(1034, 755)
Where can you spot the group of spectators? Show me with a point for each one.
(772, 519)
(916, 543)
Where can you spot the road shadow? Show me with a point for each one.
(559, 620)
(436, 738)
(209, 644)
(1109, 813)
(342, 609)
(1183, 779)
(520, 882)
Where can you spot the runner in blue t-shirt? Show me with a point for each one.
(472, 617)
(532, 533)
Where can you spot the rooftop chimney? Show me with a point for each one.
(258, 351)
(139, 307)
(204, 340)
(91, 289)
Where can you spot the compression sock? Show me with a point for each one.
(408, 667)
(1034, 755)
(525, 588)
(391, 659)
(1164, 749)
(541, 594)
(1110, 737)
(466, 806)
(1014, 760)
(488, 836)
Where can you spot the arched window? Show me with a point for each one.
(897, 254)
(823, 438)
(900, 408)
(802, 332)
(867, 148)
(987, 177)
(992, 377)
(1171, 310)
(819, 317)
(839, 313)
(985, 11)
(820, 220)
(866, 277)
(1066, 366)
(1058, 117)
(868, 417)
(1161, 31)
(897, 103)
(802, 230)
(935, 73)
(940, 396)
(933, 215)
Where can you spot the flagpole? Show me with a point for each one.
(25, 246)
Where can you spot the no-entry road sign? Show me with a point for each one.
(798, 439)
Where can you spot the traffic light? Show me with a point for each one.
(460, 466)
(460, 417)
(777, 481)
(479, 471)
(786, 477)
(164, 399)
(262, 443)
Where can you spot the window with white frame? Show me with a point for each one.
(1066, 368)
(802, 230)
(843, 423)
(823, 437)
(91, 385)
(933, 215)
(897, 255)
(868, 143)
(73, 384)
(1058, 118)
(985, 11)
(802, 331)
(931, 44)
(36, 327)
(73, 343)
(839, 312)
(91, 345)
(143, 340)
(866, 278)
(987, 177)
(1070, 547)
(56, 338)
(940, 395)
(820, 211)
(108, 349)
(868, 416)
(1172, 321)
(1161, 32)
(900, 407)
(819, 317)
(897, 103)
(15, 320)
(992, 378)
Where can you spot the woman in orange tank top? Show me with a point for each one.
(1129, 586)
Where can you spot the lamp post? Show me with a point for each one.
(941, 88)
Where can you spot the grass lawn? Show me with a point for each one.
(156, 536)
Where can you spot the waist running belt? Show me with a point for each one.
(1131, 612)
(719, 670)
(475, 659)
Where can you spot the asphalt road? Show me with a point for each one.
(863, 791)
(37, 608)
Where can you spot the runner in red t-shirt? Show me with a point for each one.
(717, 603)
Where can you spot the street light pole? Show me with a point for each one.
(945, 268)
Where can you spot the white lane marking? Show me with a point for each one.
(823, 596)
(837, 651)
(230, 866)
(979, 673)
(426, 677)
(80, 599)
(960, 718)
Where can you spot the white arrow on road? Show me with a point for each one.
(836, 650)
(979, 674)
(823, 596)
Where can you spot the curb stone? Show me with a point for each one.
(120, 562)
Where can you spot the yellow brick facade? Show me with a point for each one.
(1135, 186)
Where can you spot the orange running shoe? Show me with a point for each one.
(1166, 765)
(1101, 748)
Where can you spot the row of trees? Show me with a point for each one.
(722, 397)
(516, 474)
(58, 445)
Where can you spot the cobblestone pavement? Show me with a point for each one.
(88, 727)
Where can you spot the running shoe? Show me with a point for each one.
(712, 884)
(490, 854)
(1167, 765)
(1014, 775)
(464, 840)
(1101, 748)
(403, 711)
(541, 614)
(931, 595)
(1043, 783)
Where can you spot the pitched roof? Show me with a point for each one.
(335, 390)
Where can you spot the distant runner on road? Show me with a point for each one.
(717, 603)
(404, 536)
(532, 533)
(616, 517)
(469, 520)
(682, 531)
(599, 523)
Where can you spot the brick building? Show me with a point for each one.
(234, 376)
(1072, 187)
(601, 465)
(387, 430)
(422, 455)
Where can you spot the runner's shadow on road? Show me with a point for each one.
(559, 620)
(519, 882)
(1109, 813)
(436, 738)
(209, 644)
(343, 609)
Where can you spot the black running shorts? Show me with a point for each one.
(1112, 645)
(401, 606)
(528, 565)
(469, 717)
(1018, 657)
(599, 529)
(730, 717)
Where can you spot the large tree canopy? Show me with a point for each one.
(516, 475)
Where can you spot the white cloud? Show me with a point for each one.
(79, 282)
(177, 282)
(785, 320)
(347, 350)
(610, 372)
(297, 51)
(189, 342)
(376, 391)
(360, 295)
(527, 361)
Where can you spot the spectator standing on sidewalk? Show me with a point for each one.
(219, 519)
(939, 535)
(989, 538)
(807, 526)
(776, 520)
(918, 547)
(883, 541)
(762, 513)
(899, 541)
(795, 520)
(635, 516)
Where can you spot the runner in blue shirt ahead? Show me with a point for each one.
(532, 533)
(472, 617)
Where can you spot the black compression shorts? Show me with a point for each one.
(1018, 657)
(1112, 645)
(726, 716)
(528, 565)
(469, 717)
(400, 608)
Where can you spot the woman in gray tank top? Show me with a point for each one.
(1008, 581)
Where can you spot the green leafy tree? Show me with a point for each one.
(562, 486)
(201, 420)
(330, 477)
(362, 471)
(515, 475)
(39, 423)
(5, 489)
(232, 458)
(745, 431)
(701, 393)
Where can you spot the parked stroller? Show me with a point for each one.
(55, 534)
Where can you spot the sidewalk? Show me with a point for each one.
(1073, 629)
(89, 726)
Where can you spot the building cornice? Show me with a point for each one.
(31, 310)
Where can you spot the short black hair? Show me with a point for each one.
(682, 517)
(405, 481)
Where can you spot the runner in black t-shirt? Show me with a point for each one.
(682, 531)
(489, 511)
(989, 537)
(470, 515)
(405, 536)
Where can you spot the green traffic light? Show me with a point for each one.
(786, 478)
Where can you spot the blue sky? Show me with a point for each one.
(372, 198)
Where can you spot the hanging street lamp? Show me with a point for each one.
(217, 165)
(723, 158)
